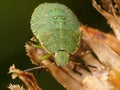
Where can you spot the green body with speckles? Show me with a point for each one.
(56, 27)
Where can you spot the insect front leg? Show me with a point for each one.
(34, 42)
(46, 56)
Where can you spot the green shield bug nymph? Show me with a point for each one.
(56, 28)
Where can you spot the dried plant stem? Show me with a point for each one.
(102, 59)
(112, 18)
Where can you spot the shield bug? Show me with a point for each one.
(56, 28)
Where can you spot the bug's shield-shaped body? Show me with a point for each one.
(56, 27)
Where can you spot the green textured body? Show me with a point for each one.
(56, 27)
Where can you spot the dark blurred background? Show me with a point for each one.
(15, 32)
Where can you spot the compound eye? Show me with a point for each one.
(54, 17)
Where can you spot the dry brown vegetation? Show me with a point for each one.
(100, 52)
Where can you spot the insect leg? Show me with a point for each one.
(35, 42)
(46, 56)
